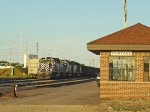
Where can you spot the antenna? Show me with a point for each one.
(21, 46)
(54, 52)
(125, 13)
(37, 48)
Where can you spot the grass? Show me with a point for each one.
(18, 73)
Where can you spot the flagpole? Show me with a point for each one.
(125, 13)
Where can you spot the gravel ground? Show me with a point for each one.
(103, 106)
(78, 94)
(74, 98)
(48, 108)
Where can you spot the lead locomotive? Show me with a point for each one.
(56, 68)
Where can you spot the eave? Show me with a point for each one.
(96, 49)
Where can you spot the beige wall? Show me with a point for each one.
(124, 89)
(32, 66)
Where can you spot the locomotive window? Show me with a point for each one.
(121, 68)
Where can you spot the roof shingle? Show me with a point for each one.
(137, 34)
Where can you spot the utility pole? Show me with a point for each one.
(37, 48)
(125, 14)
(21, 47)
(54, 52)
(93, 62)
(10, 53)
(10, 57)
(90, 62)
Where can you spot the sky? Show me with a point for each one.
(63, 27)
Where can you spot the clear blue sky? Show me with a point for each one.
(64, 25)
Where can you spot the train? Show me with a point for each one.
(51, 68)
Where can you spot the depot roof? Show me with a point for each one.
(133, 38)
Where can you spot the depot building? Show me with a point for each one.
(124, 63)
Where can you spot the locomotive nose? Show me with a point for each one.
(43, 71)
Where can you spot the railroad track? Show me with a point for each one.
(29, 84)
(12, 80)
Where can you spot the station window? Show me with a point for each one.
(121, 68)
(146, 68)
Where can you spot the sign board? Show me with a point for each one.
(121, 53)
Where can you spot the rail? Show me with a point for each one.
(8, 87)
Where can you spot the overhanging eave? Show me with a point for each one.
(98, 48)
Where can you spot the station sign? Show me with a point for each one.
(121, 53)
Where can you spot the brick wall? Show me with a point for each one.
(124, 89)
(104, 66)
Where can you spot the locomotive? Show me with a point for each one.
(50, 67)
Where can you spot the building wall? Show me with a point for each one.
(124, 89)
(32, 65)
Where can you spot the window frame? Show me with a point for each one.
(144, 77)
(121, 57)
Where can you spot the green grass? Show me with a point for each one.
(18, 73)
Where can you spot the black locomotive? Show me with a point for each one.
(56, 68)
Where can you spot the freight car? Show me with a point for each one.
(56, 68)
